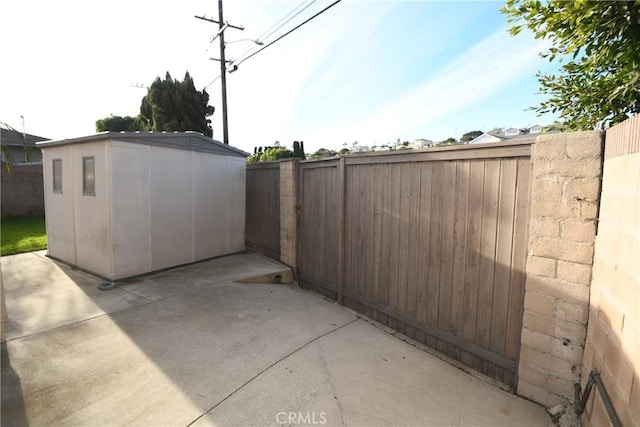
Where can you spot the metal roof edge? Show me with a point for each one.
(207, 144)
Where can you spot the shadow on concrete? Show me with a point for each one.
(194, 346)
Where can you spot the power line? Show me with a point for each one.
(285, 22)
(288, 32)
(279, 24)
(212, 82)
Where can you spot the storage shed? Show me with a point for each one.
(120, 204)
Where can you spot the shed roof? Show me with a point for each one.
(192, 141)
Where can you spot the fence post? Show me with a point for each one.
(341, 229)
(288, 220)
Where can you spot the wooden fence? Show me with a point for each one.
(432, 244)
(262, 221)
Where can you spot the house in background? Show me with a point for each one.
(120, 204)
(421, 143)
(16, 149)
(22, 189)
(507, 134)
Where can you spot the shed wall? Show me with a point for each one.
(60, 214)
(154, 207)
(93, 230)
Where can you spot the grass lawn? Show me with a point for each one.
(22, 234)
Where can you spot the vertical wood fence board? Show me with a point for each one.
(461, 214)
(474, 237)
(262, 221)
(446, 251)
(504, 248)
(432, 246)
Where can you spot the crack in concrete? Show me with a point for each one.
(250, 380)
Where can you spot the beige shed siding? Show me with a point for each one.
(170, 205)
(130, 210)
(154, 207)
(60, 219)
(92, 219)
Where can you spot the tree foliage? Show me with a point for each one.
(322, 153)
(448, 141)
(597, 44)
(470, 135)
(276, 152)
(170, 105)
(119, 123)
(173, 105)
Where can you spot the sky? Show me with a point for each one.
(369, 71)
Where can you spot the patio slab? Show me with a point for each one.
(193, 346)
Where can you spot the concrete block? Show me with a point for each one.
(553, 365)
(588, 210)
(535, 340)
(560, 386)
(582, 189)
(558, 209)
(561, 249)
(630, 342)
(572, 331)
(579, 231)
(533, 376)
(611, 313)
(544, 227)
(584, 149)
(569, 168)
(546, 189)
(539, 323)
(566, 350)
(571, 312)
(538, 394)
(541, 266)
(540, 303)
(549, 150)
(563, 290)
(621, 374)
(574, 272)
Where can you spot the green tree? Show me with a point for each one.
(276, 152)
(298, 149)
(470, 135)
(173, 105)
(322, 153)
(119, 123)
(597, 43)
(448, 141)
(169, 105)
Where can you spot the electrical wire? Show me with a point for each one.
(263, 37)
(212, 82)
(266, 34)
(288, 32)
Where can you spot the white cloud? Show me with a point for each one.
(488, 67)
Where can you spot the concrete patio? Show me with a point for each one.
(215, 343)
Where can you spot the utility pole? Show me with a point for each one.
(223, 77)
(24, 141)
(222, 26)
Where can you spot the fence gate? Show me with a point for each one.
(432, 244)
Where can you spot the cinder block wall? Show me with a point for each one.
(613, 338)
(22, 190)
(288, 217)
(564, 207)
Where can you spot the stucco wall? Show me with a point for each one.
(613, 338)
